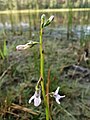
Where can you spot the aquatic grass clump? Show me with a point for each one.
(40, 86)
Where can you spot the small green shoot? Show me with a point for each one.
(4, 52)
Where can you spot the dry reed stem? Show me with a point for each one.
(47, 91)
(18, 107)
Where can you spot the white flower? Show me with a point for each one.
(27, 45)
(22, 47)
(36, 97)
(57, 96)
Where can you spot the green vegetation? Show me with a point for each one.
(21, 73)
(4, 52)
(65, 50)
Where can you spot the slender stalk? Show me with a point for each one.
(41, 73)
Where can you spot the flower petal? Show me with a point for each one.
(33, 97)
(62, 96)
(37, 101)
(57, 100)
(22, 47)
(57, 90)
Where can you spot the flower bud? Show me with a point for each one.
(48, 21)
(42, 20)
(43, 17)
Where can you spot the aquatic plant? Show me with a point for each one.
(40, 86)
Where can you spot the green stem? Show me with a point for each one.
(41, 73)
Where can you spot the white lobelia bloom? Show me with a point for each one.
(25, 46)
(57, 96)
(36, 97)
(22, 47)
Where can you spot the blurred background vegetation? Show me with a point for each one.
(42, 4)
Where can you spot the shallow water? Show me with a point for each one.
(61, 18)
(66, 22)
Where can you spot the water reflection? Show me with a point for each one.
(66, 21)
